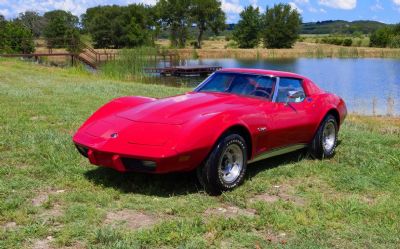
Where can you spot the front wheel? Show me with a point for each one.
(325, 140)
(225, 167)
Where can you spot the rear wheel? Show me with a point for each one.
(325, 140)
(225, 167)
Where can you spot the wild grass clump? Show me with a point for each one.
(131, 63)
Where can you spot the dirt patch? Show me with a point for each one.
(43, 243)
(230, 211)
(50, 215)
(38, 118)
(273, 237)
(368, 200)
(280, 192)
(131, 219)
(9, 225)
(44, 197)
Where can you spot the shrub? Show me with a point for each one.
(347, 42)
(15, 38)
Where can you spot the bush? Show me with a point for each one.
(381, 37)
(347, 42)
(231, 44)
(15, 38)
(395, 42)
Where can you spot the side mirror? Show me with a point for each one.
(295, 94)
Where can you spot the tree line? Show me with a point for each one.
(279, 27)
(386, 37)
(139, 25)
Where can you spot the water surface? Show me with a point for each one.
(369, 86)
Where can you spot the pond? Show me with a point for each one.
(369, 86)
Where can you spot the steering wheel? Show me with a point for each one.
(262, 91)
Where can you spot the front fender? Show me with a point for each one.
(198, 137)
(116, 105)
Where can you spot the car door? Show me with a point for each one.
(289, 119)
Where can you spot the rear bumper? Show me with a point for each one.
(125, 157)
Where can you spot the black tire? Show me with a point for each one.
(320, 149)
(210, 173)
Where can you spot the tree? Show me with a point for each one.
(2, 21)
(207, 14)
(15, 38)
(247, 31)
(381, 37)
(60, 25)
(175, 16)
(281, 26)
(386, 37)
(117, 26)
(32, 21)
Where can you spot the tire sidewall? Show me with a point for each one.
(229, 140)
(331, 152)
(210, 176)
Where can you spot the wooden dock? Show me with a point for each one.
(184, 70)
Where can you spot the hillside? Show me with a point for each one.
(340, 27)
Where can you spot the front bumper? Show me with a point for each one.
(125, 157)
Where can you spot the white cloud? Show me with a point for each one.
(148, 2)
(294, 6)
(301, 1)
(315, 10)
(397, 2)
(377, 6)
(340, 4)
(4, 12)
(231, 6)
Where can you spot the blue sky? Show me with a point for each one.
(387, 11)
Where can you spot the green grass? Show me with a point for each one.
(48, 189)
(130, 63)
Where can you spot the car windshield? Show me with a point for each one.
(238, 83)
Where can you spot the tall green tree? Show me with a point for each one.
(207, 14)
(386, 37)
(247, 32)
(3, 23)
(120, 26)
(281, 26)
(381, 37)
(32, 21)
(15, 38)
(60, 25)
(175, 16)
(2, 20)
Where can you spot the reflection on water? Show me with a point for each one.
(369, 86)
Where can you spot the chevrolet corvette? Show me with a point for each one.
(232, 119)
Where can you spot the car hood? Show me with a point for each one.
(180, 109)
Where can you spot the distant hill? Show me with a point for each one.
(340, 27)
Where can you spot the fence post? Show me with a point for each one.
(390, 106)
(374, 103)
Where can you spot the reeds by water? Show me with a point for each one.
(131, 63)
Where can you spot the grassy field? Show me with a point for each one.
(51, 197)
(219, 48)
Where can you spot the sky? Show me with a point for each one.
(387, 11)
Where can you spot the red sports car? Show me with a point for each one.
(235, 117)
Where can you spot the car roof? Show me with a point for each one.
(262, 72)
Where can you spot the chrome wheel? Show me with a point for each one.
(231, 163)
(329, 136)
